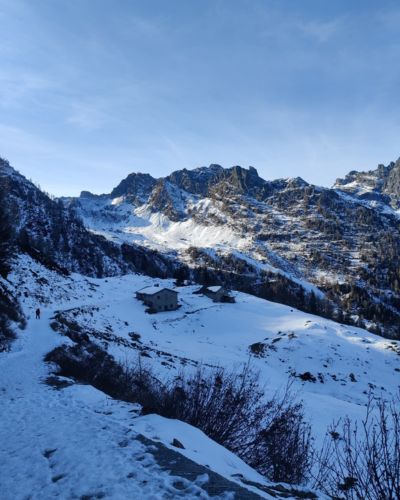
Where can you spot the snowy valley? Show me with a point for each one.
(81, 262)
(344, 363)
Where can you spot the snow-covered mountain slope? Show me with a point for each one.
(333, 366)
(73, 441)
(232, 220)
(54, 235)
(326, 251)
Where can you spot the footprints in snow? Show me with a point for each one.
(48, 454)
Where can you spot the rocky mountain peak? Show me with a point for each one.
(88, 195)
(6, 169)
(239, 181)
(243, 178)
(4, 163)
(203, 180)
(296, 183)
(381, 185)
(136, 185)
(392, 182)
(197, 181)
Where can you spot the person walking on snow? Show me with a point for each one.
(37, 313)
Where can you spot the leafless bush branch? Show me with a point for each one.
(363, 461)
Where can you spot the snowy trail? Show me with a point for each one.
(49, 446)
(76, 443)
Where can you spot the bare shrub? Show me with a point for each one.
(224, 405)
(10, 317)
(228, 406)
(88, 363)
(283, 450)
(363, 462)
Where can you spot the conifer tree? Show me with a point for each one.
(6, 230)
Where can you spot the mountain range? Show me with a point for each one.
(331, 251)
(87, 371)
(334, 251)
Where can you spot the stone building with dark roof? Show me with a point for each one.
(216, 293)
(158, 299)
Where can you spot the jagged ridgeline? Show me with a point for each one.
(333, 252)
(381, 185)
(330, 251)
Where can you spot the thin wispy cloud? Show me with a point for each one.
(88, 116)
(322, 31)
(18, 86)
(285, 86)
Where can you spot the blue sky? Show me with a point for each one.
(91, 90)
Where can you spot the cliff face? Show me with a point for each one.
(138, 186)
(392, 183)
(381, 185)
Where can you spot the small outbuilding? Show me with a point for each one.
(216, 293)
(158, 299)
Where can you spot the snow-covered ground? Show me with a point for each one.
(345, 363)
(77, 442)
